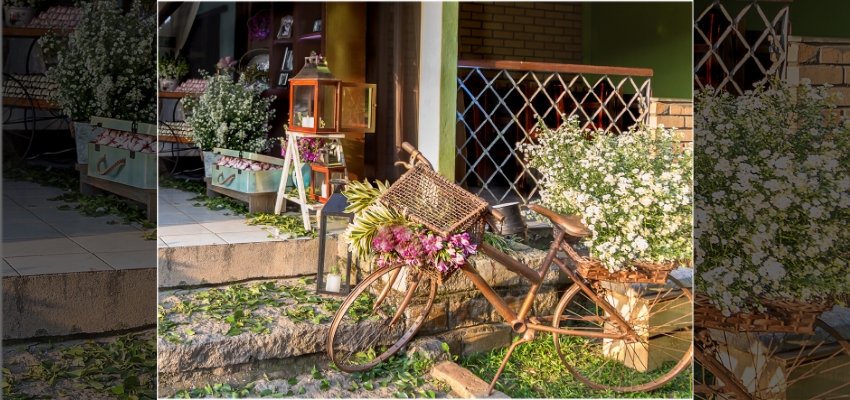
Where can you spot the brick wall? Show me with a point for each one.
(673, 113)
(823, 60)
(521, 31)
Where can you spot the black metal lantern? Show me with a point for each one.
(512, 221)
(334, 283)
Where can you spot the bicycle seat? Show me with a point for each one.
(571, 224)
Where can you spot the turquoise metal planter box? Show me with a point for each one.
(123, 166)
(247, 181)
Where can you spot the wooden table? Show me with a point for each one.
(90, 185)
(257, 202)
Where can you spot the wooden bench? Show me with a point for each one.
(257, 202)
(90, 185)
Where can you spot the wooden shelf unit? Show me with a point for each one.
(39, 104)
(301, 42)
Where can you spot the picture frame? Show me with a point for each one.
(317, 25)
(285, 31)
(283, 79)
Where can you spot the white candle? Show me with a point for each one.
(324, 191)
(307, 122)
(334, 282)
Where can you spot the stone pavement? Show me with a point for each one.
(65, 273)
(39, 238)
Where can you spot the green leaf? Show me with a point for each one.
(292, 381)
(368, 386)
(117, 389)
(302, 390)
(316, 373)
(190, 332)
(325, 385)
(64, 208)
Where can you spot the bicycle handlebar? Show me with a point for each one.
(415, 156)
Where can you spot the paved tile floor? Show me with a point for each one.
(38, 238)
(183, 224)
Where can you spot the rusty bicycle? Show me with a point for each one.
(610, 333)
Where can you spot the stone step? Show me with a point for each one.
(219, 264)
(80, 302)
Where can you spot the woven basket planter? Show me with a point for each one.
(782, 316)
(643, 272)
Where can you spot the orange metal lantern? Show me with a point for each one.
(319, 103)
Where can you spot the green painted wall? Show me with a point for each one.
(821, 18)
(645, 35)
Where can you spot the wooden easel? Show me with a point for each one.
(293, 157)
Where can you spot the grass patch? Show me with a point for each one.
(536, 371)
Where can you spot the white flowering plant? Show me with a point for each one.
(171, 67)
(231, 115)
(772, 196)
(107, 66)
(633, 191)
(24, 3)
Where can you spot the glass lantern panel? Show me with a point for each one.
(303, 112)
(320, 184)
(356, 108)
(337, 175)
(327, 98)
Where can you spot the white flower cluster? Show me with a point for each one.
(771, 196)
(107, 66)
(231, 115)
(634, 191)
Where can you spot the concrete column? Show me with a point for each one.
(438, 84)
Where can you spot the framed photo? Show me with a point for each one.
(285, 30)
(283, 79)
(317, 26)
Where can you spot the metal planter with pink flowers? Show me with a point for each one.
(246, 172)
(125, 152)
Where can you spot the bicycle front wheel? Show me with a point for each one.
(379, 317)
(662, 317)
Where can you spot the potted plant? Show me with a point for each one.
(171, 69)
(633, 191)
(230, 115)
(106, 68)
(772, 198)
(20, 12)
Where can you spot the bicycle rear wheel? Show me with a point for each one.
(379, 317)
(762, 365)
(661, 315)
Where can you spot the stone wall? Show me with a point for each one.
(521, 31)
(823, 61)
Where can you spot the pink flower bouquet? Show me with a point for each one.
(418, 247)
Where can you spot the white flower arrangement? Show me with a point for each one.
(231, 115)
(633, 191)
(772, 196)
(172, 67)
(107, 65)
(24, 3)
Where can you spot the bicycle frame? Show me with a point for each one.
(520, 320)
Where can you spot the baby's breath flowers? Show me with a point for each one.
(633, 191)
(772, 196)
(231, 115)
(107, 65)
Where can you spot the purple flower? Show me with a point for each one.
(441, 266)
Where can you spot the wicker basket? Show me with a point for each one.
(782, 316)
(644, 272)
(428, 198)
